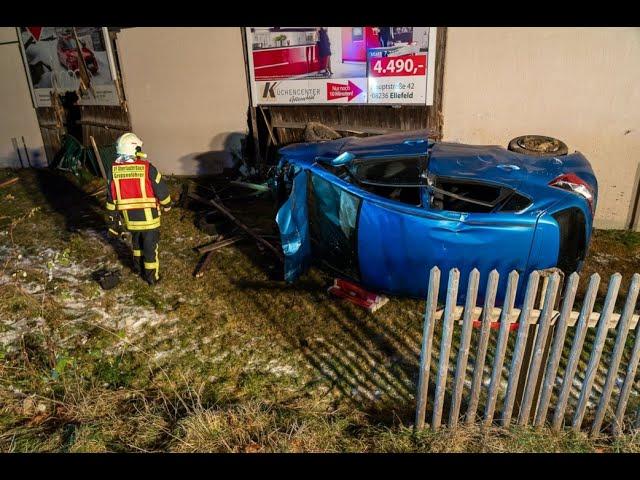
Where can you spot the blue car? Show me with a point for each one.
(383, 210)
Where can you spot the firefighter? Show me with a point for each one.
(136, 194)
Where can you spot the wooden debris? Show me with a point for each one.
(11, 181)
(221, 243)
(249, 231)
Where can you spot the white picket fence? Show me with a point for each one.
(534, 390)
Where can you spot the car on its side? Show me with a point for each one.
(383, 210)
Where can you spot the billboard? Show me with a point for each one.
(51, 55)
(341, 65)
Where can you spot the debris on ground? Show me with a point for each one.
(11, 181)
(357, 295)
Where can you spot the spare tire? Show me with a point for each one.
(538, 145)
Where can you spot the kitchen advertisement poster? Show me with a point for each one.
(51, 55)
(341, 65)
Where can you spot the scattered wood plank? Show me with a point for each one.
(249, 231)
(98, 158)
(221, 243)
(203, 265)
(11, 181)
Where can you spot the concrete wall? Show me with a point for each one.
(581, 85)
(187, 95)
(18, 118)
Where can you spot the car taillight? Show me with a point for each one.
(575, 184)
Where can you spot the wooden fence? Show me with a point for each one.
(539, 373)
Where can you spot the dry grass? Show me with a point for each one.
(232, 362)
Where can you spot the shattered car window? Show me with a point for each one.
(397, 179)
(473, 197)
(396, 171)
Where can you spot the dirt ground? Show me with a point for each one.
(234, 361)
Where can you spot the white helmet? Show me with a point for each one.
(127, 143)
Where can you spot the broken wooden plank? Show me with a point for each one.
(203, 265)
(221, 243)
(249, 231)
(98, 158)
(11, 181)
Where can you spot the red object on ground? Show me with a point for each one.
(496, 325)
(357, 295)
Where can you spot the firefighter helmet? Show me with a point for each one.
(127, 144)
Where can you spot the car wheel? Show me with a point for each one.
(538, 145)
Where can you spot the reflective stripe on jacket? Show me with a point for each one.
(136, 189)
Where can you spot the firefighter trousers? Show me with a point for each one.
(145, 253)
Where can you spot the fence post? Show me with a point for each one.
(629, 380)
(483, 341)
(556, 351)
(425, 351)
(445, 347)
(616, 356)
(576, 349)
(538, 350)
(596, 353)
(463, 353)
(516, 362)
(501, 347)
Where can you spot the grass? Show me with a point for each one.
(236, 361)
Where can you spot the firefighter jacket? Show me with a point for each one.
(136, 190)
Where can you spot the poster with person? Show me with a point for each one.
(58, 57)
(341, 65)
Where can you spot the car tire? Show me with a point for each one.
(538, 146)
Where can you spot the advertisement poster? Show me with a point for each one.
(52, 56)
(341, 65)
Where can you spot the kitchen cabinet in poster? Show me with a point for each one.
(341, 65)
(51, 56)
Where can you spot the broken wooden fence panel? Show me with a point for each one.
(542, 373)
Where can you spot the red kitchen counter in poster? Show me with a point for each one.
(285, 62)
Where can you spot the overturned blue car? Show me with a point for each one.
(383, 210)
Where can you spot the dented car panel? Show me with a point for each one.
(400, 204)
